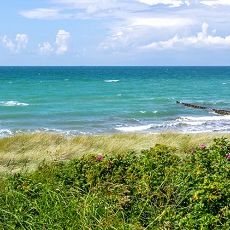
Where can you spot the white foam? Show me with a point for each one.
(205, 118)
(112, 80)
(142, 111)
(197, 124)
(12, 103)
(135, 128)
(155, 111)
(5, 132)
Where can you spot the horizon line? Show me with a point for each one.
(114, 66)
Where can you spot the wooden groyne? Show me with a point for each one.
(218, 111)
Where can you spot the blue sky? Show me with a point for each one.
(115, 32)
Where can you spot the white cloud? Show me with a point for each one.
(170, 3)
(161, 22)
(19, 43)
(139, 30)
(8, 43)
(134, 23)
(61, 45)
(82, 9)
(93, 9)
(201, 39)
(62, 39)
(45, 48)
(118, 9)
(41, 13)
(216, 2)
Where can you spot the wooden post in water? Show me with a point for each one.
(218, 111)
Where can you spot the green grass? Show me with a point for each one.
(110, 182)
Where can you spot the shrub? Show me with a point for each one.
(156, 189)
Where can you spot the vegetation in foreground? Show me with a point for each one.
(152, 189)
(27, 151)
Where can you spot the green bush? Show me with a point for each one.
(156, 189)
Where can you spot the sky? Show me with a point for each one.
(115, 32)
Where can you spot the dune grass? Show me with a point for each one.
(162, 187)
(27, 151)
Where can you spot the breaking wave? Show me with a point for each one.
(134, 128)
(110, 81)
(12, 103)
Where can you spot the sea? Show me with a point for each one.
(104, 100)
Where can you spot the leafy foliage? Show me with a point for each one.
(156, 189)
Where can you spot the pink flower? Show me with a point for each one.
(227, 156)
(202, 146)
(99, 157)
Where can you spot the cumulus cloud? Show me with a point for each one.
(60, 46)
(8, 43)
(19, 43)
(201, 39)
(45, 48)
(129, 24)
(62, 39)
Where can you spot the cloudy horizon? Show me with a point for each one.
(115, 32)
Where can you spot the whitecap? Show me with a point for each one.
(142, 111)
(5, 132)
(12, 103)
(155, 111)
(134, 128)
(112, 80)
(199, 124)
(204, 118)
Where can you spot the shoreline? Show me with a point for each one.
(75, 134)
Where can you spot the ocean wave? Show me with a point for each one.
(111, 80)
(198, 124)
(190, 124)
(8, 132)
(204, 118)
(5, 132)
(12, 103)
(134, 128)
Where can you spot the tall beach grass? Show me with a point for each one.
(27, 151)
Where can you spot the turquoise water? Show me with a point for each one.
(79, 100)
